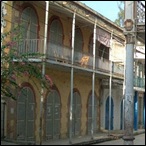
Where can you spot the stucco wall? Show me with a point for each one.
(116, 94)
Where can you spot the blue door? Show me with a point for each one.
(107, 114)
(144, 111)
(121, 121)
(135, 111)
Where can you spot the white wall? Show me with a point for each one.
(117, 97)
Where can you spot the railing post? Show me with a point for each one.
(43, 69)
(93, 81)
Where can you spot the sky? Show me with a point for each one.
(109, 9)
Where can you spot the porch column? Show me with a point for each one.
(110, 85)
(43, 69)
(72, 75)
(93, 81)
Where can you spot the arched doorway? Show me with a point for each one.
(25, 115)
(53, 115)
(90, 114)
(135, 111)
(107, 114)
(122, 115)
(76, 114)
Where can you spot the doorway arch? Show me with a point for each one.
(53, 115)
(25, 114)
(90, 114)
(107, 114)
(76, 114)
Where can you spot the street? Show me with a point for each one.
(139, 140)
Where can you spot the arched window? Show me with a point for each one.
(30, 23)
(56, 33)
(78, 40)
(55, 39)
(29, 30)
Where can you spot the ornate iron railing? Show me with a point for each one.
(139, 82)
(62, 54)
(140, 14)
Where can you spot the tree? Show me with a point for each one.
(120, 20)
(15, 64)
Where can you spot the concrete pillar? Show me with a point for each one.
(129, 32)
(128, 106)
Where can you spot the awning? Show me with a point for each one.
(103, 37)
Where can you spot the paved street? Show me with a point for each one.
(139, 140)
(86, 140)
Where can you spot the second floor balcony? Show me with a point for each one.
(139, 82)
(63, 54)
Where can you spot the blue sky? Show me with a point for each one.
(109, 9)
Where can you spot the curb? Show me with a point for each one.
(112, 137)
(93, 141)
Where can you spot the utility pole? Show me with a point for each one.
(129, 32)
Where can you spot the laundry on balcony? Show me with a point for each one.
(84, 60)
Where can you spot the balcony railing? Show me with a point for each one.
(29, 47)
(140, 8)
(62, 54)
(118, 68)
(103, 64)
(139, 82)
(58, 53)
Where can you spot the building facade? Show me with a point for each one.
(84, 58)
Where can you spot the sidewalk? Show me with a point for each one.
(84, 140)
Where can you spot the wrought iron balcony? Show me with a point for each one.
(29, 48)
(140, 20)
(62, 54)
(139, 82)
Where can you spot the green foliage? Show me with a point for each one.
(120, 20)
(15, 64)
